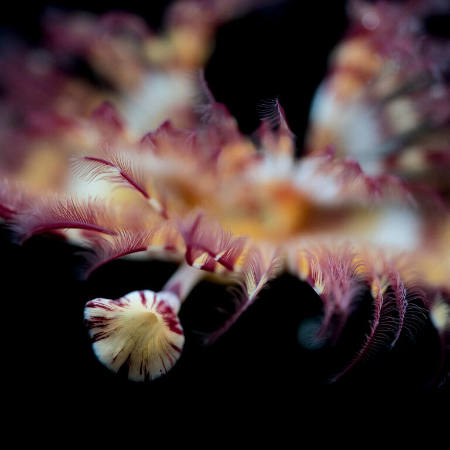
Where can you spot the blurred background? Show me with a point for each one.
(277, 50)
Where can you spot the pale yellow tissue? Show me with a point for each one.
(44, 168)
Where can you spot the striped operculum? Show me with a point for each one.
(139, 333)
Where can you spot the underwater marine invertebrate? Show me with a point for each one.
(239, 209)
(385, 98)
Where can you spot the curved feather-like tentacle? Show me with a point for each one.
(386, 306)
(334, 274)
(167, 138)
(163, 238)
(271, 112)
(52, 213)
(274, 127)
(350, 181)
(378, 290)
(392, 301)
(339, 275)
(262, 263)
(107, 117)
(208, 244)
(211, 248)
(197, 148)
(401, 300)
(122, 170)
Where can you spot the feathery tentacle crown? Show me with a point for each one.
(161, 169)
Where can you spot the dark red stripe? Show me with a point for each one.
(6, 212)
(74, 225)
(175, 347)
(99, 160)
(134, 184)
(143, 299)
(99, 305)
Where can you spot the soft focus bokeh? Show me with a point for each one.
(318, 138)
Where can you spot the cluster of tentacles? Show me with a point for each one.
(196, 191)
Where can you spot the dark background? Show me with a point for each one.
(280, 50)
